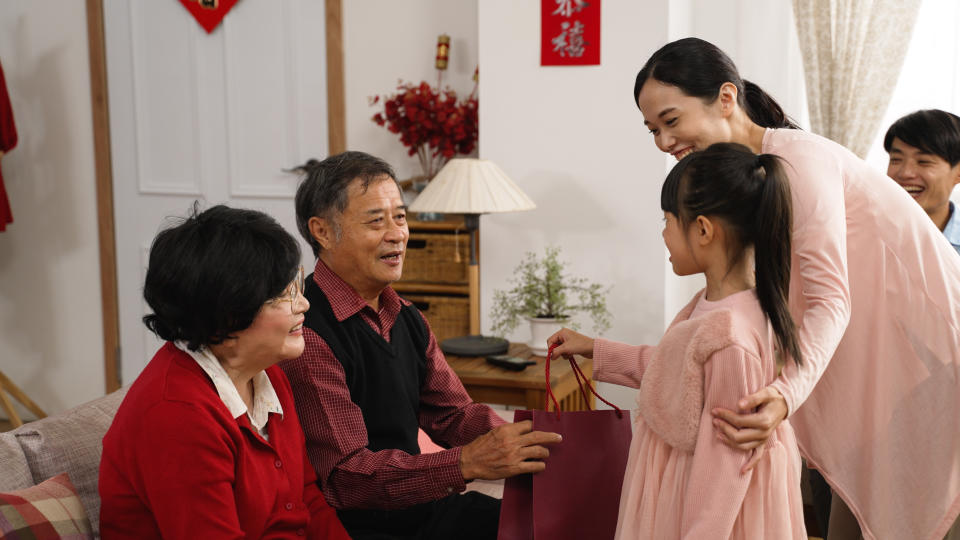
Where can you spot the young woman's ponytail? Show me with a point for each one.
(763, 109)
(699, 68)
(751, 195)
(772, 251)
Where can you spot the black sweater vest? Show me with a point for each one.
(384, 378)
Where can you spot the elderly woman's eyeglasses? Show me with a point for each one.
(292, 291)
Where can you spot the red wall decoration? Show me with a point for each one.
(209, 13)
(569, 32)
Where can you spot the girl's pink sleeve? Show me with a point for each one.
(716, 488)
(619, 363)
(819, 279)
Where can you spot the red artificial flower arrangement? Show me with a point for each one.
(432, 124)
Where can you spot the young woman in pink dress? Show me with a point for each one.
(875, 291)
(728, 216)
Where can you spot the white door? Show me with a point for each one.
(208, 117)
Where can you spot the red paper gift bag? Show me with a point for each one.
(577, 497)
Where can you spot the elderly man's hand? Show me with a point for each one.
(505, 451)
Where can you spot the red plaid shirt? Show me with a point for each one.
(351, 475)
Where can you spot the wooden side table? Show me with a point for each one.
(487, 383)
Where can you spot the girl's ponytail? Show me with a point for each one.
(751, 194)
(772, 252)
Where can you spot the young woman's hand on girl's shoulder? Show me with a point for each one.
(760, 414)
(570, 343)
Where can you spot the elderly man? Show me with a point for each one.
(924, 149)
(372, 374)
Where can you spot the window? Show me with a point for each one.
(930, 77)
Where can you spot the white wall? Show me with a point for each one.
(930, 78)
(386, 41)
(573, 139)
(761, 39)
(51, 334)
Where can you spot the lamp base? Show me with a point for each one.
(475, 345)
(430, 216)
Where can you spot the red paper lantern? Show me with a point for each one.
(443, 51)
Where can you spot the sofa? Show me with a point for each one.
(68, 442)
(72, 442)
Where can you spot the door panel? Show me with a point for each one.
(214, 118)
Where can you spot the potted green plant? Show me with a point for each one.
(545, 295)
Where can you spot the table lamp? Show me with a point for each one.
(472, 187)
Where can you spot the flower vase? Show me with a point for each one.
(419, 183)
(540, 330)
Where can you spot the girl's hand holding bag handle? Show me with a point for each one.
(578, 495)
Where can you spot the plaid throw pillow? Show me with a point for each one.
(49, 509)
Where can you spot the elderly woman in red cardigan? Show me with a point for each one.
(206, 443)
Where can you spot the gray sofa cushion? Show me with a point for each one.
(13, 464)
(72, 442)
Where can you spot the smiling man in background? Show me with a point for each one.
(924, 149)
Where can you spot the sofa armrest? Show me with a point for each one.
(71, 442)
(16, 471)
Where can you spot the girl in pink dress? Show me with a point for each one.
(728, 216)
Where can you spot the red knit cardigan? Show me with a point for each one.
(176, 464)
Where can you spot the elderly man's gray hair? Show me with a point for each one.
(323, 191)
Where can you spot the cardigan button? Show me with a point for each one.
(301, 532)
(289, 506)
(278, 463)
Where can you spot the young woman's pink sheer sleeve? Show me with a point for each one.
(819, 290)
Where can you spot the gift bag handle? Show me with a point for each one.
(582, 381)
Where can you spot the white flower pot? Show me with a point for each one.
(540, 330)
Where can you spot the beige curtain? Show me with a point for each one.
(852, 54)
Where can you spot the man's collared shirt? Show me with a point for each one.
(952, 230)
(352, 476)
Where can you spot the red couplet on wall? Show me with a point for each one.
(569, 32)
(208, 13)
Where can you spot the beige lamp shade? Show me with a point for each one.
(471, 186)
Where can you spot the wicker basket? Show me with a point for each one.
(449, 316)
(437, 258)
